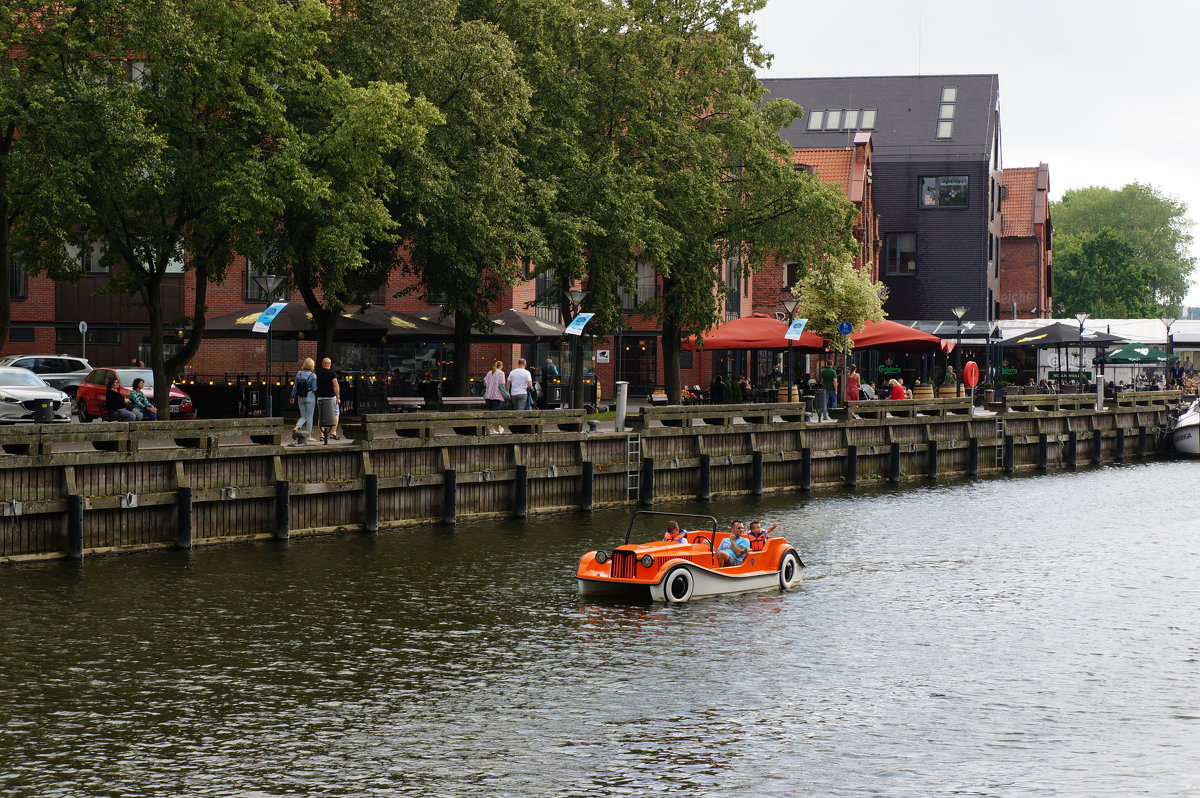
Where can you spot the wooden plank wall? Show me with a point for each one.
(131, 499)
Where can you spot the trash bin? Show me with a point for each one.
(556, 394)
(327, 410)
(43, 411)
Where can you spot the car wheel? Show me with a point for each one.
(678, 586)
(81, 409)
(790, 568)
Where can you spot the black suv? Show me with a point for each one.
(63, 372)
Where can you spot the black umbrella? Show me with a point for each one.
(293, 321)
(513, 326)
(403, 326)
(1060, 334)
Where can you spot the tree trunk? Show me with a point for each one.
(5, 236)
(670, 346)
(152, 294)
(461, 375)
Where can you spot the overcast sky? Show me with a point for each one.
(1102, 91)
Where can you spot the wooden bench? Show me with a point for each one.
(464, 402)
(405, 403)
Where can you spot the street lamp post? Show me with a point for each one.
(1168, 321)
(959, 311)
(790, 306)
(575, 296)
(269, 283)
(1082, 317)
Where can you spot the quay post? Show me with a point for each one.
(806, 469)
(586, 486)
(756, 471)
(371, 502)
(973, 458)
(75, 526)
(1097, 445)
(183, 509)
(1043, 451)
(852, 466)
(932, 467)
(895, 474)
(1141, 444)
(648, 481)
(283, 514)
(1010, 455)
(1072, 449)
(1119, 454)
(705, 491)
(521, 491)
(449, 496)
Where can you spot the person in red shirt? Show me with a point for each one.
(897, 389)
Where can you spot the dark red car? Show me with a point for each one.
(89, 399)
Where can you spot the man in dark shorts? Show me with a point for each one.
(328, 390)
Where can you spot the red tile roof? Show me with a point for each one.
(1017, 206)
(831, 165)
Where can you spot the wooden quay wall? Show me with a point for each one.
(67, 491)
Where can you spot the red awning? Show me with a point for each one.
(757, 331)
(895, 337)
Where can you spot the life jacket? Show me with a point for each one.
(681, 537)
(757, 542)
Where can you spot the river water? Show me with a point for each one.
(1028, 636)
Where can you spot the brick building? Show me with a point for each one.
(1026, 280)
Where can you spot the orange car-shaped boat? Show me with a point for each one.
(679, 572)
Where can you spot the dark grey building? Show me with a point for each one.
(936, 180)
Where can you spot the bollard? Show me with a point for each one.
(1097, 446)
(973, 458)
(647, 481)
(371, 502)
(756, 473)
(852, 466)
(449, 496)
(806, 469)
(705, 492)
(1043, 452)
(586, 486)
(1072, 447)
(1119, 455)
(183, 518)
(895, 464)
(932, 468)
(283, 515)
(521, 491)
(75, 526)
(622, 399)
(1010, 454)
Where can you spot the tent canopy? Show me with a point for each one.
(893, 337)
(757, 331)
(401, 326)
(1133, 354)
(1061, 334)
(293, 321)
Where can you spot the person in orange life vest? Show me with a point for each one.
(674, 534)
(758, 538)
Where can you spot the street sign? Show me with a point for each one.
(971, 374)
(795, 329)
(845, 328)
(82, 327)
(578, 323)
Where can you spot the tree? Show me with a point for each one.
(1149, 270)
(834, 293)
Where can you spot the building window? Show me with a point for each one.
(945, 191)
(20, 334)
(685, 358)
(842, 119)
(945, 130)
(284, 351)
(16, 280)
(791, 274)
(949, 94)
(88, 258)
(645, 288)
(900, 254)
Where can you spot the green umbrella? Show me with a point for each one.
(1137, 354)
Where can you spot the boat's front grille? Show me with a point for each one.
(624, 564)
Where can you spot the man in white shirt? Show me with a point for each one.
(519, 383)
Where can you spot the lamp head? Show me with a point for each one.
(959, 311)
(789, 305)
(269, 283)
(1082, 316)
(575, 296)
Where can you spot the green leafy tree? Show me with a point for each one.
(834, 293)
(1148, 271)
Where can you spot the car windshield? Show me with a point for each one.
(14, 379)
(127, 376)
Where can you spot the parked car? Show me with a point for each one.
(63, 372)
(21, 392)
(89, 400)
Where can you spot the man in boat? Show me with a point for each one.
(674, 534)
(758, 538)
(734, 548)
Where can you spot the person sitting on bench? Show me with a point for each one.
(115, 403)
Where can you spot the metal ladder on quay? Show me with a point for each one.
(1000, 442)
(633, 467)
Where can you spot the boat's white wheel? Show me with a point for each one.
(789, 569)
(678, 586)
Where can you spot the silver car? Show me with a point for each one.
(64, 372)
(23, 393)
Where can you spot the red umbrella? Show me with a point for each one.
(895, 337)
(757, 331)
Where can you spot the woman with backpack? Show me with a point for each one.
(304, 396)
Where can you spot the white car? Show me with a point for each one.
(21, 393)
(64, 372)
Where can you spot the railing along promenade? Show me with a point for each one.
(80, 489)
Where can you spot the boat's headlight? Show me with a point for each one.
(601, 557)
(647, 561)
